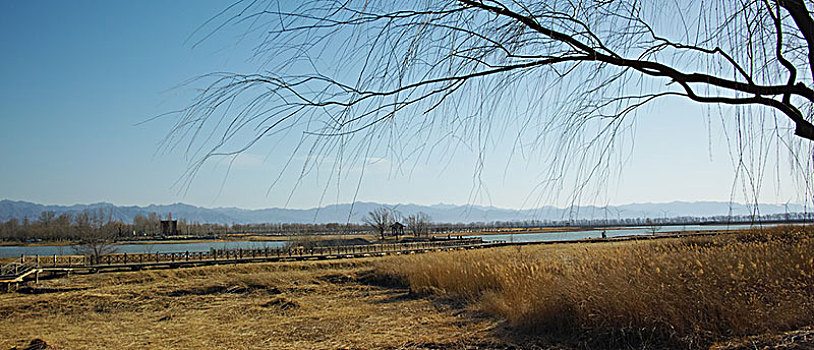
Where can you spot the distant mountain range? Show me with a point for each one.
(354, 212)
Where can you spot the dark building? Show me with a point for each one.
(397, 228)
(169, 227)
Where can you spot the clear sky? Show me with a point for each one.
(78, 77)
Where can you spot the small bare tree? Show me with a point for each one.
(380, 219)
(94, 240)
(653, 226)
(418, 224)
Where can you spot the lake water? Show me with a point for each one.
(47, 250)
(616, 232)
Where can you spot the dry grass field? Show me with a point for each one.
(310, 305)
(751, 290)
(693, 292)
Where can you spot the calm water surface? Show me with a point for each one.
(624, 231)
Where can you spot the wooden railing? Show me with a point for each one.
(54, 260)
(16, 269)
(214, 255)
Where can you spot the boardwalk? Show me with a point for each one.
(121, 262)
(16, 272)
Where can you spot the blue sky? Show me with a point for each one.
(80, 76)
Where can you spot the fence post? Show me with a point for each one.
(125, 258)
(22, 259)
(55, 260)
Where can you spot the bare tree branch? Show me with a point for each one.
(570, 74)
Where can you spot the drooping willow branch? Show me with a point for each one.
(340, 69)
(804, 128)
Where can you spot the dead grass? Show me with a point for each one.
(311, 305)
(687, 292)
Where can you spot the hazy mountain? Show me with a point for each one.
(354, 212)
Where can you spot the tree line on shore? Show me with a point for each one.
(97, 223)
(100, 224)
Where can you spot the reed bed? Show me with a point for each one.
(689, 292)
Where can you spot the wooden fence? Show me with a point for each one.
(238, 254)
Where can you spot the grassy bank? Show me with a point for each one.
(689, 292)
